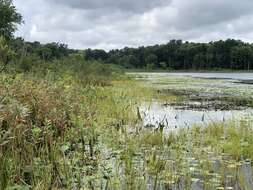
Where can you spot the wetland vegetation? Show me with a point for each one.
(62, 133)
(68, 122)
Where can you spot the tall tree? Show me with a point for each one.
(9, 19)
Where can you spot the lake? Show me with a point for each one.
(212, 89)
(234, 76)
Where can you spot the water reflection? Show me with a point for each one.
(172, 117)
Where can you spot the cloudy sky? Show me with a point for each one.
(110, 24)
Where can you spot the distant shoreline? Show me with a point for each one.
(186, 71)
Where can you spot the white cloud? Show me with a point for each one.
(116, 24)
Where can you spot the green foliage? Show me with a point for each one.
(175, 55)
(42, 122)
(45, 52)
(65, 133)
(5, 54)
(228, 54)
(68, 121)
(9, 18)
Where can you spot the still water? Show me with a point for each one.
(219, 84)
(173, 118)
(233, 76)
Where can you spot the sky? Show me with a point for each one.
(112, 24)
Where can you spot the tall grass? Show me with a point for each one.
(73, 125)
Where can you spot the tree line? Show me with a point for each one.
(175, 55)
(46, 52)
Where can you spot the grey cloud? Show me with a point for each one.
(197, 13)
(123, 5)
(114, 24)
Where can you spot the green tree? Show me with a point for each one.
(242, 57)
(5, 54)
(151, 59)
(9, 19)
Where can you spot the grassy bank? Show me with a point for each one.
(68, 129)
(43, 119)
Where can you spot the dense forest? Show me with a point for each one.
(175, 55)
